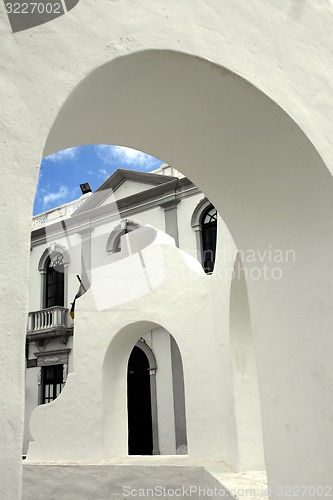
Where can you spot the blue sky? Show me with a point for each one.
(61, 174)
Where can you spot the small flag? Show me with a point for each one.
(80, 292)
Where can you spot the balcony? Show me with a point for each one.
(48, 324)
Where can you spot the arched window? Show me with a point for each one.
(54, 288)
(204, 223)
(53, 268)
(114, 242)
(208, 235)
(117, 241)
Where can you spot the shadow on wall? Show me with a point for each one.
(245, 380)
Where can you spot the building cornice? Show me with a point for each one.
(171, 204)
(125, 207)
(116, 180)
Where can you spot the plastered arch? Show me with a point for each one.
(268, 188)
(197, 213)
(141, 344)
(114, 371)
(48, 253)
(117, 231)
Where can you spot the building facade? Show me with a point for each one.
(67, 243)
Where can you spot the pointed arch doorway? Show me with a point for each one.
(141, 401)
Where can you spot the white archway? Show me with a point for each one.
(114, 376)
(269, 189)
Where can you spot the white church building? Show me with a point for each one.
(154, 245)
(237, 96)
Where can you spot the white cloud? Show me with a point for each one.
(102, 173)
(126, 156)
(59, 195)
(65, 154)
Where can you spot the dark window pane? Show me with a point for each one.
(54, 289)
(52, 382)
(209, 233)
(128, 228)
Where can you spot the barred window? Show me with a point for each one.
(52, 382)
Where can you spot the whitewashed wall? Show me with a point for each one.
(187, 236)
(159, 341)
(95, 394)
(288, 203)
